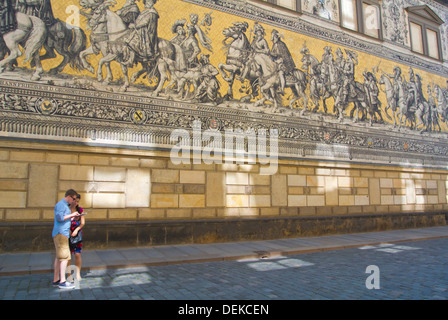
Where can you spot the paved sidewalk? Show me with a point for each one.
(41, 262)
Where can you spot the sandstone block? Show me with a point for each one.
(164, 176)
(42, 185)
(75, 172)
(190, 176)
(13, 170)
(164, 201)
(13, 199)
(191, 201)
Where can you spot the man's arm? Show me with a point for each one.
(60, 214)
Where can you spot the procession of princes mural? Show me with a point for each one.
(258, 65)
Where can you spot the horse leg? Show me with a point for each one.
(124, 70)
(302, 94)
(39, 70)
(340, 108)
(49, 52)
(137, 74)
(181, 88)
(273, 99)
(12, 39)
(324, 104)
(229, 78)
(61, 66)
(14, 54)
(163, 70)
(105, 61)
(83, 57)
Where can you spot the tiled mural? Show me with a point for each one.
(127, 72)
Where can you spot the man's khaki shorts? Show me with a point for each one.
(62, 248)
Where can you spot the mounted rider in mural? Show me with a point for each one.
(417, 105)
(38, 8)
(282, 56)
(259, 45)
(372, 91)
(348, 75)
(143, 41)
(8, 21)
(67, 40)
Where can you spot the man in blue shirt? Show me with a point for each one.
(61, 235)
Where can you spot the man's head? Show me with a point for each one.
(70, 196)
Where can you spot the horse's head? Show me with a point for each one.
(236, 30)
(231, 32)
(99, 10)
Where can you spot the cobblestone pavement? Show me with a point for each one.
(411, 270)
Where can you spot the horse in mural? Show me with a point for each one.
(390, 100)
(30, 33)
(262, 71)
(106, 27)
(397, 96)
(238, 51)
(111, 34)
(65, 39)
(442, 102)
(68, 41)
(269, 81)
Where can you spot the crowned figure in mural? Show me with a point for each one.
(416, 106)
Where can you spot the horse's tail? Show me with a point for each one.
(36, 38)
(78, 45)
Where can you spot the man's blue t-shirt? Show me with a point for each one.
(60, 226)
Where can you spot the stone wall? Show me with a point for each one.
(361, 155)
(140, 190)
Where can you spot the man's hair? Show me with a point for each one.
(70, 193)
